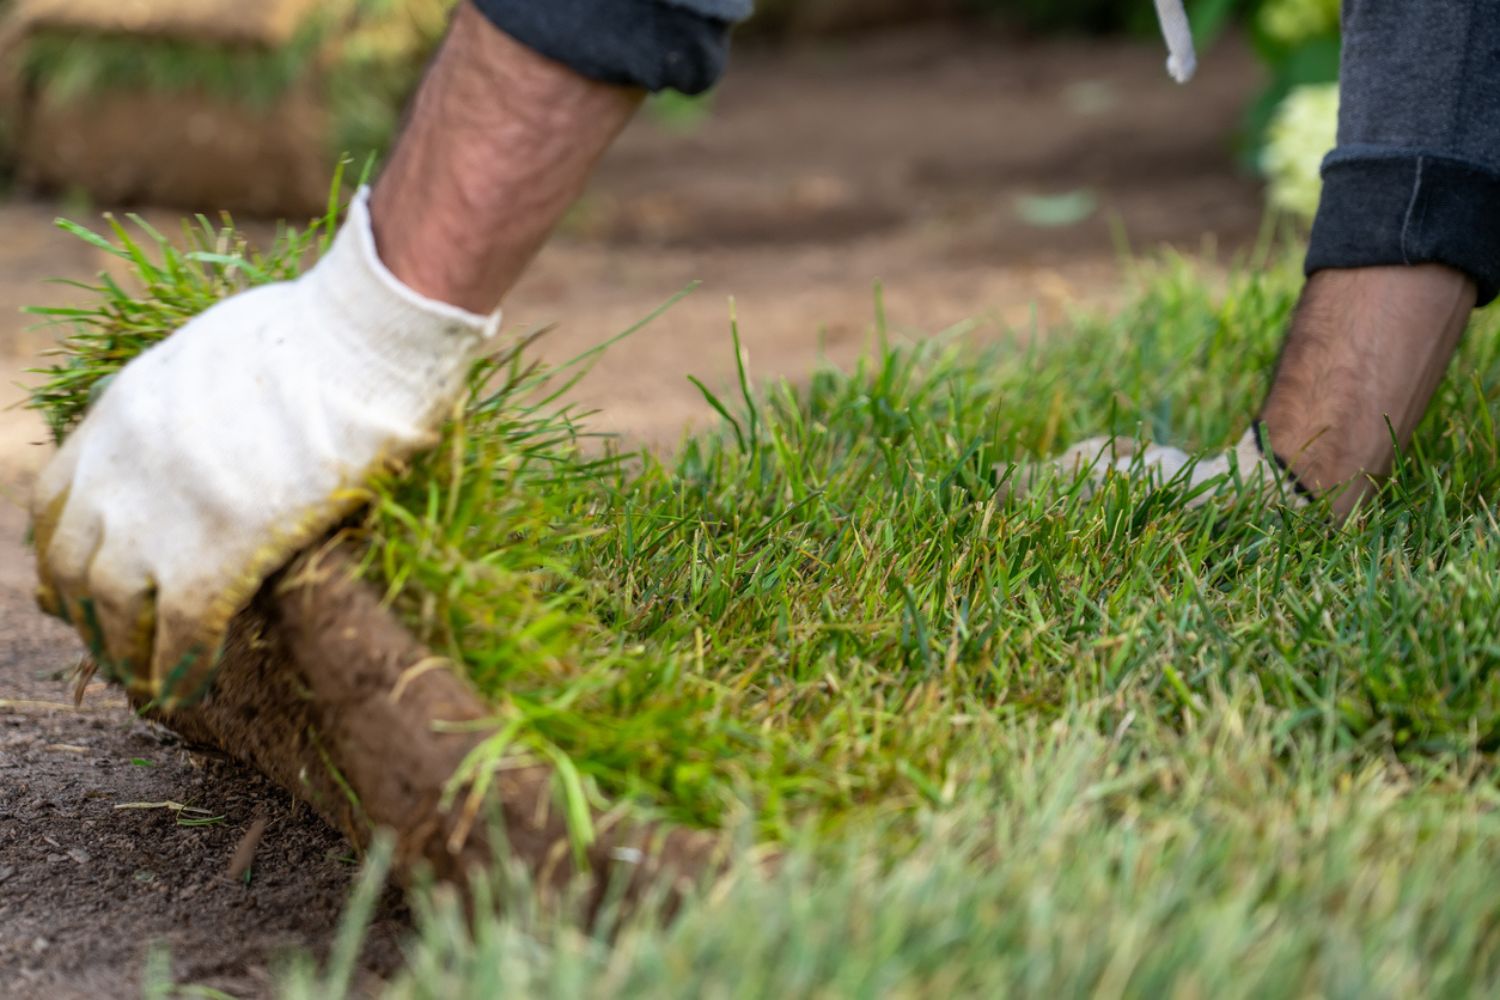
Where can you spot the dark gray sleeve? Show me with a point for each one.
(1415, 177)
(653, 44)
(732, 11)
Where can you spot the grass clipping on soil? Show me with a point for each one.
(831, 611)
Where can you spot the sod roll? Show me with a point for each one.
(267, 22)
(210, 104)
(10, 92)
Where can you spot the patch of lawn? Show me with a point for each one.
(826, 606)
(1218, 858)
(1012, 744)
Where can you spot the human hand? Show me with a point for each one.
(216, 455)
(1099, 458)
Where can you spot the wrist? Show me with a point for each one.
(355, 280)
(500, 142)
(390, 339)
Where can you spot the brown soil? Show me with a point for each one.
(901, 158)
(86, 886)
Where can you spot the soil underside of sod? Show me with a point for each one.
(319, 682)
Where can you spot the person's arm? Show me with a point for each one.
(1403, 247)
(1401, 253)
(242, 438)
(500, 142)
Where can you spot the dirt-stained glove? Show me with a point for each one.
(216, 455)
(1099, 458)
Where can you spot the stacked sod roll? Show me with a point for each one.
(10, 93)
(245, 107)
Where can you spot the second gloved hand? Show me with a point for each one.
(1097, 459)
(218, 454)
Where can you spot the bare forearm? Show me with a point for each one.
(500, 141)
(1364, 355)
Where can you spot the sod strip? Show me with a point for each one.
(831, 612)
(268, 101)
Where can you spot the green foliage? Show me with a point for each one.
(1303, 130)
(1298, 40)
(1292, 22)
(678, 112)
(376, 66)
(173, 281)
(68, 68)
(742, 629)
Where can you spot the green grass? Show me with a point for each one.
(1113, 745)
(1218, 858)
(822, 609)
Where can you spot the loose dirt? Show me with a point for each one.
(96, 865)
(904, 157)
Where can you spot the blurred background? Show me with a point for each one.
(988, 161)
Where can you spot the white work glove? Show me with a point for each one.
(219, 453)
(1099, 458)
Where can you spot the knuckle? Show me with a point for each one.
(189, 634)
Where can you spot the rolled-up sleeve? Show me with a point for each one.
(656, 45)
(1416, 175)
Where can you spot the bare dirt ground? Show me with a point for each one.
(903, 157)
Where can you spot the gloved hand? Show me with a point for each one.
(219, 453)
(1101, 457)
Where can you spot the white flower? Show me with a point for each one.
(1303, 130)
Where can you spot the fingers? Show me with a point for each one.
(1094, 453)
(89, 582)
(185, 653)
(1164, 461)
(1087, 458)
(66, 544)
(162, 646)
(49, 502)
(121, 597)
(88, 578)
